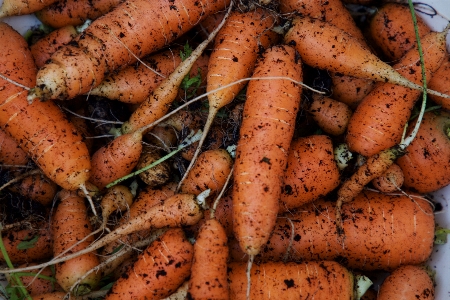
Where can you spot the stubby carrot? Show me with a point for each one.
(378, 122)
(311, 171)
(425, 164)
(41, 129)
(407, 282)
(277, 280)
(391, 180)
(70, 224)
(382, 232)
(209, 266)
(261, 154)
(159, 270)
(332, 116)
(115, 40)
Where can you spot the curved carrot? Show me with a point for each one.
(118, 197)
(159, 270)
(70, 224)
(133, 29)
(261, 154)
(209, 266)
(55, 145)
(378, 121)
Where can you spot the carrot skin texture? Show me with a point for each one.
(439, 83)
(261, 154)
(16, 8)
(209, 266)
(391, 180)
(277, 280)
(426, 163)
(159, 270)
(382, 232)
(407, 282)
(331, 115)
(116, 159)
(10, 151)
(55, 146)
(36, 286)
(378, 122)
(50, 296)
(311, 171)
(37, 188)
(106, 44)
(71, 224)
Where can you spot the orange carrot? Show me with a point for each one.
(36, 187)
(209, 266)
(438, 82)
(116, 40)
(36, 284)
(425, 165)
(391, 180)
(378, 122)
(71, 224)
(261, 154)
(159, 270)
(43, 49)
(210, 171)
(135, 83)
(27, 245)
(51, 296)
(10, 151)
(332, 116)
(55, 145)
(391, 30)
(14, 8)
(118, 197)
(407, 282)
(276, 280)
(381, 232)
(311, 171)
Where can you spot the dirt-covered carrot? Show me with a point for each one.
(332, 116)
(29, 244)
(277, 280)
(439, 83)
(74, 12)
(381, 232)
(209, 267)
(54, 145)
(116, 40)
(117, 198)
(327, 47)
(70, 224)
(159, 270)
(407, 282)
(379, 120)
(391, 30)
(311, 171)
(261, 154)
(10, 151)
(16, 8)
(210, 171)
(135, 83)
(426, 163)
(39, 281)
(43, 49)
(36, 187)
(51, 296)
(391, 180)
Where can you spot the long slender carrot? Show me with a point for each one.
(133, 29)
(265, 135)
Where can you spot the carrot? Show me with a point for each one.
(229, 63)
(159, 271)
(135, 83)
(70, 224)
(382, 232)
(439, 82)
(391, 30)
(70, 12)
(39, 281)
(407, 282)
(27, 245)
(36, 187)
(118, 197)
(209, 172)
(209, 266)
(16, 8)
(391, 180)
(10, 151)
(51, 296)
(425, 165)
(332, 116)
(261, 154)
(308, 280)
(116, 40)
(325, 46)
(55, 146)
(46, 46)
(311, 171)
(378, 121)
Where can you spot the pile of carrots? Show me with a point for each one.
(221, 149)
